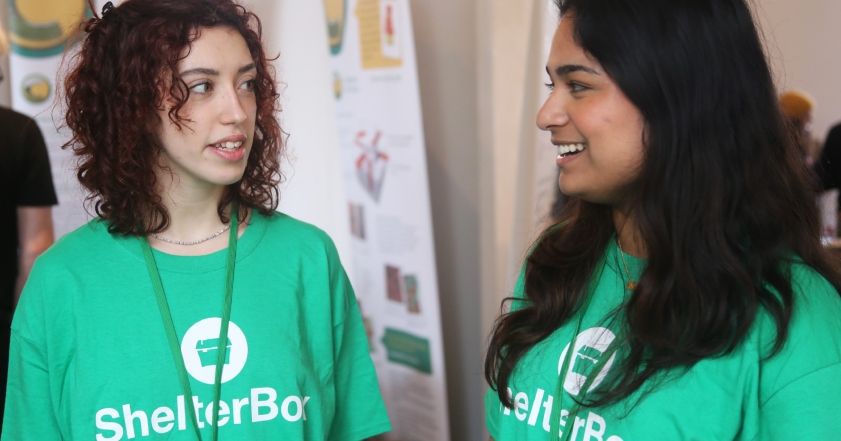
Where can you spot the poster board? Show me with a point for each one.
(386, 184)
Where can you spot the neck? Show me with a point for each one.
(627, 233)
(193, 215)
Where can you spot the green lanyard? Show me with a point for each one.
(174, 344)
(555, 417)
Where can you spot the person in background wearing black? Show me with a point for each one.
(828, 167)
(26, 225)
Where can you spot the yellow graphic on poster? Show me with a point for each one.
(36, 88)
(336, 11)
(380, 33)
(42, 28)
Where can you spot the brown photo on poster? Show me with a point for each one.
(394, 290)
(357, 220)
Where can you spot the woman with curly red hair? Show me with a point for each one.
(188, 307)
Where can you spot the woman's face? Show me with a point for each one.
(598, 131)
(213, 144)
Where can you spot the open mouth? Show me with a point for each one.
(227, 146)
(565, 150)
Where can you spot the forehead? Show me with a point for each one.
(216, 46)
(565, 50)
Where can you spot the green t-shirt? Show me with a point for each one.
(90, 358)
(742, 396)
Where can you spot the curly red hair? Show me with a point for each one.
(125, 69)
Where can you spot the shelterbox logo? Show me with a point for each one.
(589, 346)
(199, 348)
(200, 345)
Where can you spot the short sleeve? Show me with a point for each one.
(806, 409)
(29, 413)
(35, 187)
(492, 412)
(360, 412)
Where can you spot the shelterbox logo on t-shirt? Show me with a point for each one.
(589, 346)
(536, 407)
(199, 348)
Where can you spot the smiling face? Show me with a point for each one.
(211, 149)
(598, 131)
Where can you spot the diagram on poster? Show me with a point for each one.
(336, 11)
(371, 163)
(380, 33)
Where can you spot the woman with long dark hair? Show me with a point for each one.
(684, 294)
(188, 309)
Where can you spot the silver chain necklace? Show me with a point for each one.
(178, 242)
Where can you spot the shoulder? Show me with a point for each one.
(295, 235)
(817, 304)
(813, 342)
(91, 239)
(14, 119)
(18, 127)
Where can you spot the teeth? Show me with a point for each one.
(564, 149)
(228, 145)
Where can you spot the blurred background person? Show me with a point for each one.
(798, 107)
(26, 223)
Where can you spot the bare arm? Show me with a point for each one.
(35, 235)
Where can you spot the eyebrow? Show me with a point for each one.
(214, 72)
(570, 68)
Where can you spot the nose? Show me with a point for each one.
(552, 113)
(233, 108)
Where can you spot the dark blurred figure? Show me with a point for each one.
(26, 223)
(828, 167)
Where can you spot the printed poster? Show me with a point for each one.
(387, 190)
(39, 33)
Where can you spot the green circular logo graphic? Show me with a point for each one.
(43, 28)
(36, 88)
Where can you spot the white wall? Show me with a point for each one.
(313, 189)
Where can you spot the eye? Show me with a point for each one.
(248, 85)
(203, 87)
(550, 86)
(576, 87)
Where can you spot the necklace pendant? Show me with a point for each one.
(630, 286)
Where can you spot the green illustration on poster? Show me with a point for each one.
(408, 350)
(336, 11)
(43, 28)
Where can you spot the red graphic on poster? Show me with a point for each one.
(371, 164)
(389, 24)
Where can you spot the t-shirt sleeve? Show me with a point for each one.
(36, 185)
(360, 412)
(800, 386)
(29, 413)
(806, 409)
(492, 413)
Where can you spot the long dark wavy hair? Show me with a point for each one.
(722, 203)
(125, 69)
